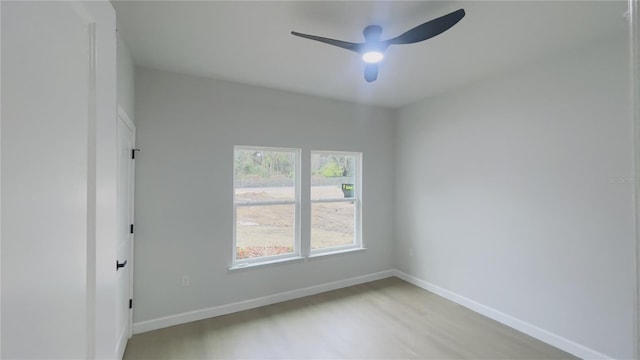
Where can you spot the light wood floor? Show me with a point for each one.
(379, 320)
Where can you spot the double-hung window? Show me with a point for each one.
(335, 201)
(266, 204)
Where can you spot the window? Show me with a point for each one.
(335, 201)
(266, 204)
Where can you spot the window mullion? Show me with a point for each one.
(305, 205)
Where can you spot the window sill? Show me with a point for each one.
(336, 252)
(316, 256)
(254, 265)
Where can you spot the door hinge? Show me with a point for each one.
(133, 153)
(130, 303)
(131, 229)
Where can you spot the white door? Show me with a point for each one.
(125, 228)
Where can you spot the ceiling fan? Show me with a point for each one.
(373, 48)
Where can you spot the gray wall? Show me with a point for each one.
(126, 78)
(187, 128)
(517, 193)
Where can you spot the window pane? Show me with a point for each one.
(332, 224)
(264, 230)
(332, 176)
(264, 175)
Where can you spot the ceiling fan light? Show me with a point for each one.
(372, 57)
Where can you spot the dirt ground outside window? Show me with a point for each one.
(269, 230)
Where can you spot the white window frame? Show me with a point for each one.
(297, 184)
(356, 199)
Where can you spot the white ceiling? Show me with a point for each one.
(250, 42)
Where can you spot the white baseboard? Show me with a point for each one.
(522, 326)
(159, 323)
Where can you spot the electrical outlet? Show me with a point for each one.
(185, 280)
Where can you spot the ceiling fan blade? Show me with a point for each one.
(429, 29)
(339, 43)
(371, 72)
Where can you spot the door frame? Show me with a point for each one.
(99, 17)
(634, 55)
(0, 187)
(634, 45)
